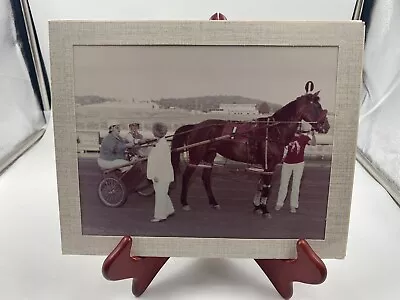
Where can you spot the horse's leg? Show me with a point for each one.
(265, 192)
(196, 155)
(185, 186)
(209, 158)
(257, 197)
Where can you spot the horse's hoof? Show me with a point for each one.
(258, 211)
(186, 208)
(217, 207)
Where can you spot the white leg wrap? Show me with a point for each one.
(264, 200)
(256, 199)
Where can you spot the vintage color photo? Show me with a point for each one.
(207, 148)
(224, 104)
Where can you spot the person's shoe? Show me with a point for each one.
(278, 207)
(293, 210)
(156, 220)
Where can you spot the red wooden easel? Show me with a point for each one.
(306, 268)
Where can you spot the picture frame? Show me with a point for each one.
(24, 83)
(377, 152)
(347, 38)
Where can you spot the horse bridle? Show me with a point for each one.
(320, 119)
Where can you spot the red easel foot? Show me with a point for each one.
(306, 268)
(120, 265)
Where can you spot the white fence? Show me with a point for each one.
(88, 141)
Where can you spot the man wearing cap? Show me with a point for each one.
(112, 149)
(135, 137)
(134, 134)
(160, 171)
(293, 163)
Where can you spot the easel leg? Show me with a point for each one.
(120, 265)
(306, 268)
(218, 16)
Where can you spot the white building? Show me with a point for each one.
(238, 109)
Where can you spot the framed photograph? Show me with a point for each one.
(206, 138)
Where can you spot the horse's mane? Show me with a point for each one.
(284, 111)
(288, 109)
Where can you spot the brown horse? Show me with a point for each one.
(246, 144)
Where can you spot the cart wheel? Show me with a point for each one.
(145, 189)
(112, 192)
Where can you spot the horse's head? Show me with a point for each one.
(313, 113)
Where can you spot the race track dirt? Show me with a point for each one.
(233, 191)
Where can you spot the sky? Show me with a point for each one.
(273, 74)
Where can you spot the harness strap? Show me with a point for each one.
(266, 148)
(233, 132)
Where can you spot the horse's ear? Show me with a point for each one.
(317, 93)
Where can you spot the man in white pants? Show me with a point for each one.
(293, 164)
(160, 171)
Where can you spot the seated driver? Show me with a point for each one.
(135, 137)
(112, 149)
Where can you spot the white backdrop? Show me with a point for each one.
(44, 10)
(20, 113)
(31, 263)
(379, 135)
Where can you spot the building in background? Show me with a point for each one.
(237, 109)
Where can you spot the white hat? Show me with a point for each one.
(112, 123)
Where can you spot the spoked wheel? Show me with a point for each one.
(145, 188)
(112, 192)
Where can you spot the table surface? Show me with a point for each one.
(33, 267)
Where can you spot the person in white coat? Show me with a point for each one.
(160, 171)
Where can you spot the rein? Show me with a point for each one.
(267, 125)
(270, 122)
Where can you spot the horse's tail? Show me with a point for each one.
(179, 140)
